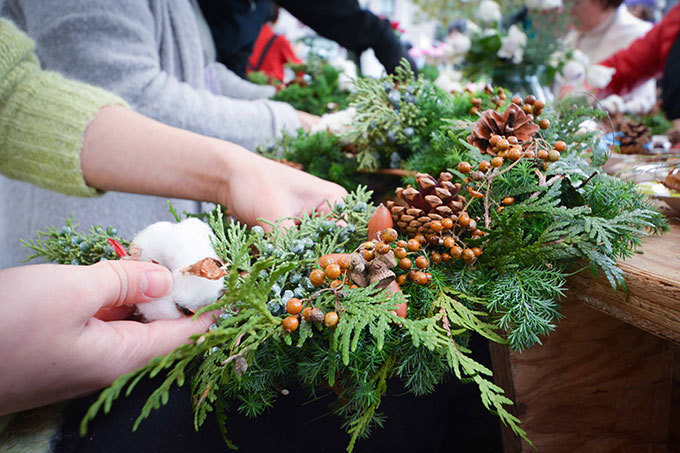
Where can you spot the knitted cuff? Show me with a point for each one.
(49, 155)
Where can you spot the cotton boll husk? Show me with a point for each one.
(177, 246)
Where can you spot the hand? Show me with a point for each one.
(53, 348)
(262, 188)
(307, 120)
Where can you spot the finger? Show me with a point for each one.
(139, 343)
(119, 283)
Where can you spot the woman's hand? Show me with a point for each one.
(155, 159)
(53, 346)
(262, 188)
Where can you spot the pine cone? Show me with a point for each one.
(434, 199)
(635, 135)
(514, 122)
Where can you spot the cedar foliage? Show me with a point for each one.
(565, 218)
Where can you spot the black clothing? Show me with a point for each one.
(449, 420)
(235, 25)
(670, 88)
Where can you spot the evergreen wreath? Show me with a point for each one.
(517, 203)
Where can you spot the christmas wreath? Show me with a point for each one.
(510, 200)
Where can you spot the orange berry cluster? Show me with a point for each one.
(309, 314)
(554, 154)
(530, 105)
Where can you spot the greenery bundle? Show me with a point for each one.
(315, 88)
(486, 248)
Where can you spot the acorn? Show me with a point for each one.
(421, 278)
(464, 167)
(553, 155)
(331, 319)
(422, 262)
(324, 261)
(306, 313)
(333, 271)
(290, 324)
(389, 235)
(294, 306)
(317, 277)
(405, 264)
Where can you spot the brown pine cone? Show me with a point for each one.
(513, 123)
(434, 199)
(635, 135)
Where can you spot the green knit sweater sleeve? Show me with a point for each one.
(43, 118)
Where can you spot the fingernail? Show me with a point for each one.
(156, 284)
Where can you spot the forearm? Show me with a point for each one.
(127, 152)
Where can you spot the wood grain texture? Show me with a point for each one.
(596, 385)
(652, 302)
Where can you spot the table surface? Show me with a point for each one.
(652, 299)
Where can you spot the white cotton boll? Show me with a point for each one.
(573, 72)
(542, 5)
(177, 246)
(450, 81)
(580, 57)
(336, 123)
(588, 126)
(512, 46)
(613, 104)
(489, 11)
(459, 44)
(599, 76)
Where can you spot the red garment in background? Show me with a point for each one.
(646, 57)
(279, 53)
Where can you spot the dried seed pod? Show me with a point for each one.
(379, 221)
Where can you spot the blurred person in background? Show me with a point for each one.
(235, 25)
(271, 51)
(604, 27)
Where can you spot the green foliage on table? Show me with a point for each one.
(321, 154)
(319, 92)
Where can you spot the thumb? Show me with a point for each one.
(136, 343)
(120, 283)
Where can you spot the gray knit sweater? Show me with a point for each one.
(149, 52)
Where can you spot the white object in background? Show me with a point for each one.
(177, 246)
(512, 46)
(450, 81)
(336, 123)
(599, 76)
(489, 12)
(542, 5)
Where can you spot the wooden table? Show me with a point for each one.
(608, 378)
